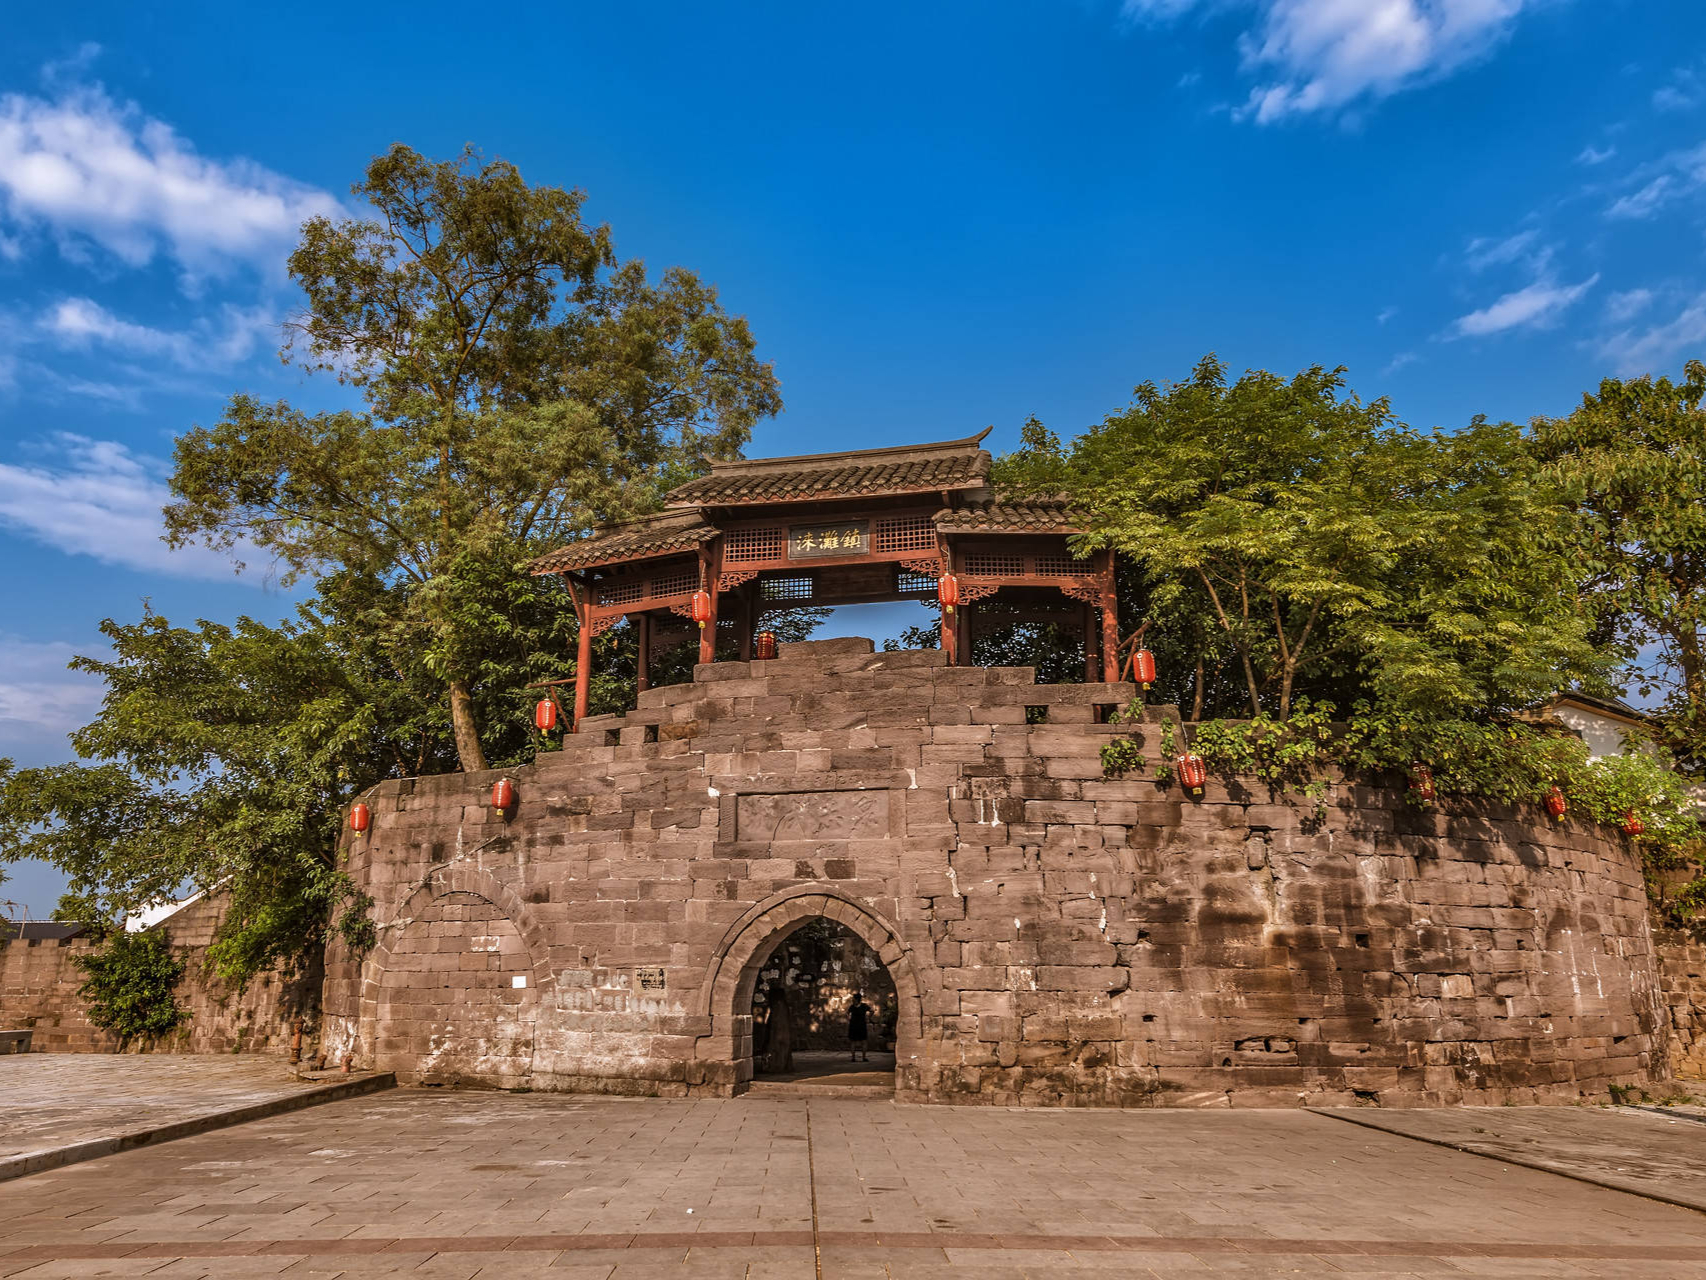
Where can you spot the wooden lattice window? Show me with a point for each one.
(1053, 566)
(675, 584)
(989, 564)
(910, 583)
(904, 533)
(750, 546)
(620, 592)
(793, 587)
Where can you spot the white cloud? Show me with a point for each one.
(1592, 155)
(1403, 360)
(1670, 98)
(211, 343)
(90, 170)
(1684, 92)
(38, 695)
(1484, 251)
(1537, 306)
(1620, 308)
(1633, 352)
(1326, 55)
(1386, 313)
(97, 498)
(1645, 202)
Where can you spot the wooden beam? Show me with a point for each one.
(583, 650)
(643, 668)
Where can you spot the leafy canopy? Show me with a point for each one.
(1631, 464)
(1286, 538)
(520, 384)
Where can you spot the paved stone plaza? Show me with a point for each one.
(462, 1184)
(55, 1100)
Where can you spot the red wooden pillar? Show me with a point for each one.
(1110, 621)
(948, 634)
(583, 650)
(643, 626)
(1087, 624)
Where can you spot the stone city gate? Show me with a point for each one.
(1055, 936)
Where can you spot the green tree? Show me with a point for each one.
(1286, 538)
(131, 985)
(520, 386)
(1631, 463)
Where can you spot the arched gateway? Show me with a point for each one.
(748, 944)
(1056, 935)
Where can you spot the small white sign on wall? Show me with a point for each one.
(520, 980)
(483, 942)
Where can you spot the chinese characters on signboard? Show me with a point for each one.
(808, 542)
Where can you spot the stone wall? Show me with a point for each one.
(1682, 971)
(39, 981)
(1054, 935)
(38, 992)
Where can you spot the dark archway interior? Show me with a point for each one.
(801, 1001)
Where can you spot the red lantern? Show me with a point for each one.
(1193, 772)
(1632, 826)
(503, 795)
(1143, 668)
(948, 592)
(545, 715)
(764, 645)
(1556, 805)
(701, 608)
(360, 818)
(1422, 783)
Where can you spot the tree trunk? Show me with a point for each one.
(1196, 700)
(463, 727)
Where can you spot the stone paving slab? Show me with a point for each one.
(1651, 1151)
(62, 1108)
(441, 1183)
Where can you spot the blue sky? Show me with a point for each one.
(937, 216)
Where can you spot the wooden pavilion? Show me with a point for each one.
(821, 530)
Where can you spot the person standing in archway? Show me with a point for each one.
(858, 1028)
(779, 1046)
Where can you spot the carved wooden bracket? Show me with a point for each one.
(599, 626)
(970, 591)
(1089, 590)
(734, 577)
(931, 568)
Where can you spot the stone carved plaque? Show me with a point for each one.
(650, 978)
(813, 815)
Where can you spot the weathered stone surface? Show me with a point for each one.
(1053, 936)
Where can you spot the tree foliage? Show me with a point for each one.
(131, 983)
(520, 384)
(1631, 463)
(1284, 538)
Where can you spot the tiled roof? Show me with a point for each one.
(664, 534)
(918, 468)
(1010, 517)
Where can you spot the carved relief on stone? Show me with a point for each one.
(813, 815)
